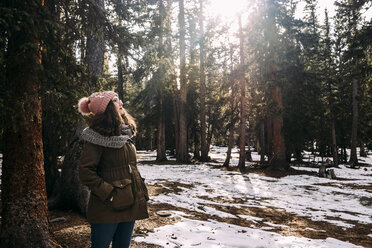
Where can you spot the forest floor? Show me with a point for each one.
(210, 206)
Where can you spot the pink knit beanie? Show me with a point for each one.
(96, 103)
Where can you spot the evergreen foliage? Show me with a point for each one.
(314, 63)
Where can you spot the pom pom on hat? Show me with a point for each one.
(96, 103)
(83, 106)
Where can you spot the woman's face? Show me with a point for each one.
(118, 105)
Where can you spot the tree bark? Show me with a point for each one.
(248, 153)
(50, 132)
(353, 156)
(241, 164)
(210, 133)
(95, 49)
(230, 145)
(269, 144)
(176, 120)
(160, 151)
(196, 144)
(231, 128)
(333, 128)
(120, 77)
(203, 135)
(182, 152)
(23, 192)
(298, 154)
(160, 146)
(279, 159)
(362, 151)
(50, 156)
(262, 141)
(327, 65)
(82, 45)
(334, 143)
(195, 130)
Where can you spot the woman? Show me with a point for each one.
(108, 167)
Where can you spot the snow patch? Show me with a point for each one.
(190, 233)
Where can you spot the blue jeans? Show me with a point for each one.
(119, 233)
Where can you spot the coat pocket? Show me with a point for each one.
(123, 194)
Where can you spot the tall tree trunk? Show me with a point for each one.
(362, 151)
(50, 136)
(327, 65)
(203, 135)
(196, 144)
(23, 192)
(231, 128)
(210, 133)
(182, 152)
(95, 49)
(50, 132)
(262, 141)
(333, 128)
(279, 159)
(344, 153)
(160, 144)
(230, 144)
(120, 77)
(151, 139)
(241, 163)
(353, 156)
(232, 109)
(269, 144)
(334, 143)
(160, 151)
(82, 45)
(298, 154)
(195, 130)
(176, 120)
(248, 154)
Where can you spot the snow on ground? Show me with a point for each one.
(319, 199)
(191, 233)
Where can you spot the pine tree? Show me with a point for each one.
(182, 152)
(242, 82)
(279, 158)
(328, 74)
(95, 46)
(232, 108)
(203, 136)
(24, 202)
(349, 12)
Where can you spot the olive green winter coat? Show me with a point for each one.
(108, 167)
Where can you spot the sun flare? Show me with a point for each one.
(226, 8)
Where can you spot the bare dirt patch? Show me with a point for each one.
(73, 231)
(263, 171)
(348, 185)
